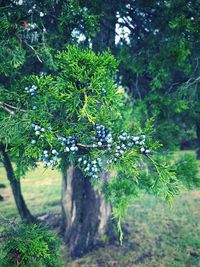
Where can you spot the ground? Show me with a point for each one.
(158, 236)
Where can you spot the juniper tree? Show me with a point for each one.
(77, 120)
(64, 109)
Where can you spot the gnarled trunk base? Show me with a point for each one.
(85, 213)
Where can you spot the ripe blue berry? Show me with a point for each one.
(54, 152)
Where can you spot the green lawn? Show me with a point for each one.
(158, 236)
(41, 190)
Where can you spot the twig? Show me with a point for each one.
(84, 109)
(171, 87)
(8, 108)
(11, 112)
(13, 107)
(154, 163)
(157, 170)
(89, 146)
(188, 83)
(34, 51)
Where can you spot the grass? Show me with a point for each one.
(157, 235)
(41, 190)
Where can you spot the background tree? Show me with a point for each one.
(16, 187)
(159, 61)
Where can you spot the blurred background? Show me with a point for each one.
(157, 45)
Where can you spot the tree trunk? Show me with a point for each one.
(85, 213)
(198, 140)
(16, 187)
(105, 37)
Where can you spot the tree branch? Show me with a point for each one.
(89, 145)
(11, 112)
(191, 82)
(40, 60)
(13, 107)
(9, 108)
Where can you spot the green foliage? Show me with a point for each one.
(72, 12)
(160, 111)
(120, 192)
(159, 60)
(31, 33)
(165, 183)
(31, 245)
(14, 55)
(70, 103)
(181, 172)
(153, 176)
(63, 101)
(186, 169)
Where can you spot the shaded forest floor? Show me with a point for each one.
(158, 236)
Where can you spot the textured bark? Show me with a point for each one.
(16, 187)
(198, 140)
(85, 213)
(105, 37)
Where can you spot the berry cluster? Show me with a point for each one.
(140, 141)
(49, 158)
(125, 141)
(31, 90)
(92, 168)
(70, 143)
(38, 130)
(131, 141)
(119, 151)
(103, 136)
